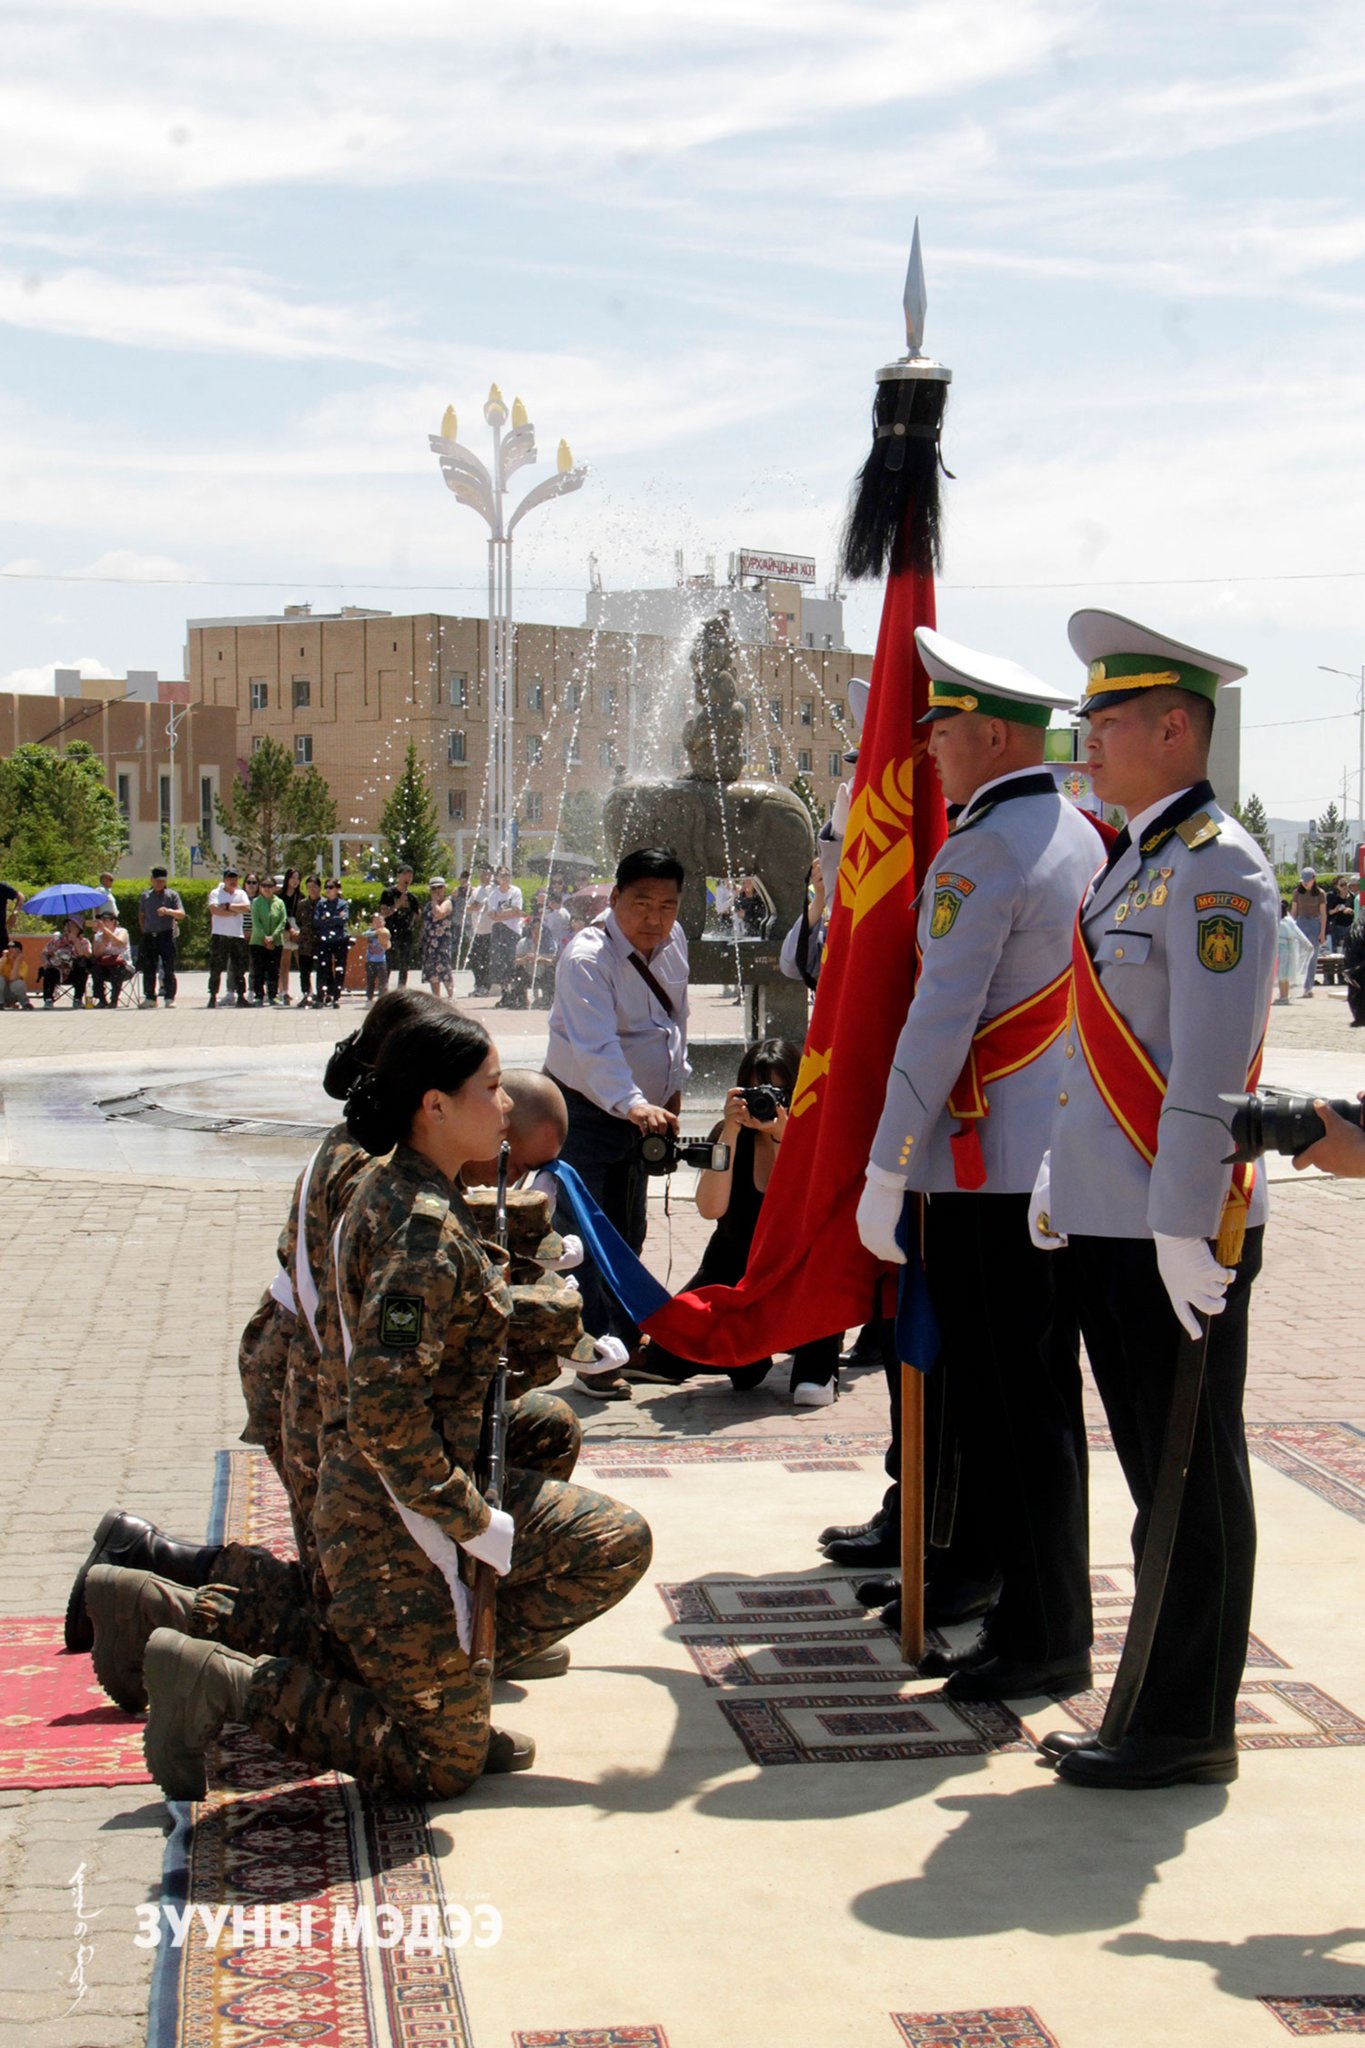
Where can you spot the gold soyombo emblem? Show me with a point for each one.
(877, 848)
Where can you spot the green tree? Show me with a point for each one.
(1252, 818)
(407, 823)
(807, 795)
(277, 815)
(59, 819)
(580, 825)
(312, 819)
(1325, 837)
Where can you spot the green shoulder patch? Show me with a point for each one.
(400, 1321)
(1220, 943)
(947, 903)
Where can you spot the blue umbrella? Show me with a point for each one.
(63, 899)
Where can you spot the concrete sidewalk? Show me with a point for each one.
(127, 1291)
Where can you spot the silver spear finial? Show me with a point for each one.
(914, 363)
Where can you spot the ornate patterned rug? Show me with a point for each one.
(58, 1727)
(293, 1910)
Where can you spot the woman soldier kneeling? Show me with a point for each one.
(410, 1344)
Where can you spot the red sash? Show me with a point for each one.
(1009, 1042)
(1133, 1087)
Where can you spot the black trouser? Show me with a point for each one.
(265, 972)
(331, 965)
(605, 1151)
(305, 965)
(107, 978)
(1133, 1342)
(158, 950)
(478, 961)
(1009, 1381)
(400, 962)
(227, 954)
(79, 975)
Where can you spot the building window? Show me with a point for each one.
(257, 742)
(125, 798)
(455, 753)
(459, 692)
(609, 705)
(535, 748)
(606, 754)
(455, 803)
(303, 693)
(836, 763)
(535, 696)
(260, 694)
(836, 711)
(303, 750)
(803, 761)
(774, 761)
(572, 757)
(775, 710)
(807, 711)
(163, 804)
(535, 807)
(573, 696)
(206, 812)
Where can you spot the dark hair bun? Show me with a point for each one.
(369, 1118)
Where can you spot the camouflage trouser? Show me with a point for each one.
(265, 1606)
(417, 1727)
(301, 1418)
(262, 1359)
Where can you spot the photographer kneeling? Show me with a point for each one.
(753, 1127)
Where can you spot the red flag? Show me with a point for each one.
(808, 1275)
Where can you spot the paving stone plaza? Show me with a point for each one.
(694, 1859)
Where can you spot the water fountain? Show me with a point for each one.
(721, 821)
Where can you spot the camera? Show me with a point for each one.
(763, 1101)
(661, 1152)
(1273, 1121)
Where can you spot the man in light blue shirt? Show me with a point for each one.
(618, 1050)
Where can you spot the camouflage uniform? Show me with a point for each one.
(426, 1310)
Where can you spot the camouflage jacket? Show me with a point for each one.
(426, 1310)
(332, 1172)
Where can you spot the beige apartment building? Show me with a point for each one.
(126, 721)
(346, 691)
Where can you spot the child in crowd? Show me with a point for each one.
(377, 943)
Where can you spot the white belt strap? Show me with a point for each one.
(305, 1285)
(431, 1541)
(282, 1288)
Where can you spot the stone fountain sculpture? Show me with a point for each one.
(721, 822)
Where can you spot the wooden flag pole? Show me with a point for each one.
(912, 1514)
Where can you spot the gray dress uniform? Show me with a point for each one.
(995, 922)
(1183, 930)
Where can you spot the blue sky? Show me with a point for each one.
(250, 249)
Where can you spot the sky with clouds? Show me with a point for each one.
(249, 251)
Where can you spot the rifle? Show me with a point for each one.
(492, 1458)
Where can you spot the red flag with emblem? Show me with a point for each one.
(808, 1274)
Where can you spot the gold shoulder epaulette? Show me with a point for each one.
(434, 1206)
(1200, 830)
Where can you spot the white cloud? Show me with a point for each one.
(41, 681)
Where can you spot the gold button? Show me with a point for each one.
(1062, 1098)
(1071, 1052)
(1118, 952)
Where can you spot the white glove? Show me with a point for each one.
(1192, 1277)
(611, 1354)
(838, 817)
(1040, 1228)
(495, 1545)
(879, 1211)
(571, 1256)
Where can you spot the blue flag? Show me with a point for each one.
(916, 1323)
(634, 1286)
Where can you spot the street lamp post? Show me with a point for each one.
(172, 728)
(482, 488)
(1359, 680)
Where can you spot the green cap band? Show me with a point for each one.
(947, 697)
(1123, 674)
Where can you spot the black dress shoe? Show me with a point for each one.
(137, 1546)
(1014, 1678)
(1063, 1740)
(876, 1592)
(941, 1663)
(945, 1603)
(844, 1532)
(1144, 1763)
(878, 1545)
